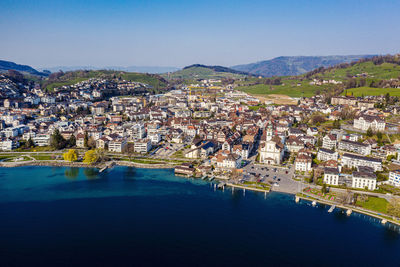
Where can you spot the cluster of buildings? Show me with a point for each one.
(218, 128)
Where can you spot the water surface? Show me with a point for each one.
(140, 217)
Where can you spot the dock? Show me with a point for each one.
(106, 166)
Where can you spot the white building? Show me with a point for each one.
(364, 122)
(271, 153)
(360, 148)
(326, 154)
(142, 146)
(394, 178)
(303, 163)
(329, 141)
(117, 145)
(331, 176)
(364, 180)
(351, 161)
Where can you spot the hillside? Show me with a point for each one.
(197, 71)
(25, 69)
(371, 76)
(288, 66)
(59, 79)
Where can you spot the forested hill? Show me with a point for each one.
(288, 66)
(8, 65)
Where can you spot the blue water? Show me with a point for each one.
(142, 217)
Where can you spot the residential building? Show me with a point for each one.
(364, 180)
(355, 147)
(351, 161)
(327, 154)
(331, 176)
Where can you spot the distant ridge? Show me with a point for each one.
(296, 65)
(143, 69)
(218, 69)
(8, 65)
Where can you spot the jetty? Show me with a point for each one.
(331, 208)
(107, 165)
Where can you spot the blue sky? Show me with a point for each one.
(179, 33)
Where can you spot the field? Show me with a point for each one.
(201, 73)
(375, 204)
(360, 91)
(288, 89)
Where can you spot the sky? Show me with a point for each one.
(179, 33)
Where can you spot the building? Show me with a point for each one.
(364, 180)
(41, 139)
(303, 163)
(355, 147)
(329, 141)
(142, 146)
(117, 145)
(326, 154)
(331, 176)
(356, 161)
(364, 122)
(394, 178)
(271, 153)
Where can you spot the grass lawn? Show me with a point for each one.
(360, 91)
(374, 203)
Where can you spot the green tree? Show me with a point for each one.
(370, 132)
(379, 136)
(71, 155)
(56, 140)
(86, 140)
(72, 141)
(324, 190)
(29, 143)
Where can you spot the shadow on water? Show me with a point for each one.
(71, 173)
(129, 173)
(91, 173)
(391, 232)
(340, 215)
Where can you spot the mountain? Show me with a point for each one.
(59, 79)
(198, 71)
(287, 66)
(377, 75)
(143, 69)
(8, 65)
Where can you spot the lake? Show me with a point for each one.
(61, 216)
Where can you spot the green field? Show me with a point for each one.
(288, 87)
(375, 204)
(202, 73)
(360, 91)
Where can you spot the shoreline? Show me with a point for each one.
(61, 163)
(55, 163)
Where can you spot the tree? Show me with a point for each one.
(86, 140)
(336, 124)
(71, 155)
(72, 141)
(324, 190)
(29, 143)
(56, 140)
(90, 157)
(379, 136)
(369, 132)
(394, 207)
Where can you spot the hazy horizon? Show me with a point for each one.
(46, 34)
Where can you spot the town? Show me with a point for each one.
(208, 130)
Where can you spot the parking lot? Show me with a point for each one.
(279, 177)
